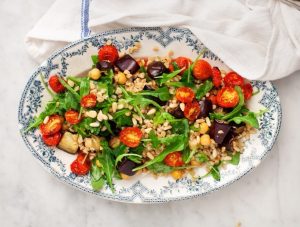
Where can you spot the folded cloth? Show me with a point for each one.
(257, 39)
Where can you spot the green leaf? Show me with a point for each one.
(46, 86)
(174, 146)
(162, 93)
(138, 158)
(201, 157)
(235, 159)
(161, 117)
(180, 84)
(187, 76)
(215, 172)
(84, 87)
(154, 139)
(95, 59)
(137, 150)
(166, 77)
(97, 180)
(69, 88)
(203, 89)
(121, 119)
(249, 118)
(97, 184)
(187, 155)
(160, 167)
(119, 150)
(70, 102)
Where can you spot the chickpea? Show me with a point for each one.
(205, 140)
(114, 142)
(204, 128)
(120, 78)
(94, 74)
(124, 176)
(177, 174)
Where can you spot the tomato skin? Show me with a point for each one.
(131, 136)
(227, 97)
(88, 101)
(108, 53)
(213, 99)
(233, 79)
(53, 125)
(72, 117)
(81, 165)
(202, 70)
(55, 84)
(216, 77)
(192, 110)
(247, 90)
(52, 140)
(185, 94)
(174, 159)
(182, 63)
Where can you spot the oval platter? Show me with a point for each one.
(144, 188)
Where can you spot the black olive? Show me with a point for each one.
(104, 65)
(156, 69)
(205, 108)
(127, 63)
(177, 113)
(126, 166)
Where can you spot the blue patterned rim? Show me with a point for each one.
(138, 188)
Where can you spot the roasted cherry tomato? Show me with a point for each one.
(52, 140)
(192, 110)
(131, 136)
(174, 159)
(216, 77)
(213, 99)
(185, 94)
(227, 97)
(247, 90)
(233, 79)
(72, 117)
(53, 125)
(55, 84)
(88, 101)
(81, 165)
(202, 70)
(182, 63)
(108, 53)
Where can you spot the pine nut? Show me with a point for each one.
(46, 120)
(95, 124)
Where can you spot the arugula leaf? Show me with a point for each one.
(180, 84)
(154, 140)
(180, 126)
(84, 128)
(215, 172)
(187, 155)
(69, 88)
(235, 159)
(165, 77)
(201, 157)
(119, 150)
(69, 102)
(137, 150)
(160, 167)
(162, 93)
(46, 86)
(187, 76)
(161, 117)
(97, 184)
(177, 145)
(94, 59)
(138, 158)
(84, 87)
(249, 118)
(121, 119)
(96, 174)
(203, 89)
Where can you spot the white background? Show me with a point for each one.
(29, 196)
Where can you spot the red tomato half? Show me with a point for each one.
(72, 117)
(131, 136)
(174, 159)
(81, 165)
(53, 125)
(88, 101)
(216, 77)
(233, 79)
(55, 84)
(202, 70)
(192, 110)
(185, 94)
(227, 97)
(182, 63)
(213, 99)
(108, 53)
(52, 140)
(247, 90)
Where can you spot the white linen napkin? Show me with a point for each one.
(258, 39)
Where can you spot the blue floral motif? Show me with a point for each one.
(139, 191)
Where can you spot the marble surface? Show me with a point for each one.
(29, 196)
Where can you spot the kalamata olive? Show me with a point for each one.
(126, 166)
(156, 69)
(104, 65)
(219, 130)
(127, 63)
(205, 107)
(177, 113)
